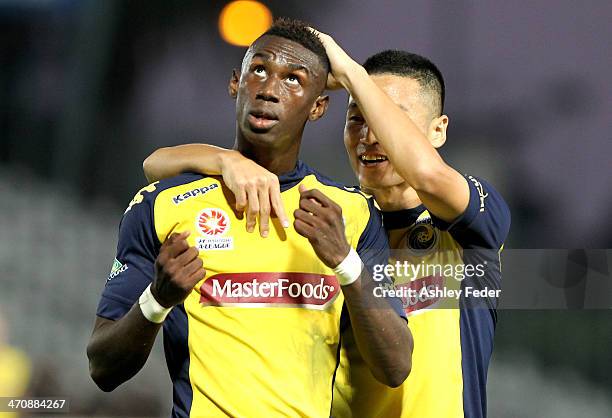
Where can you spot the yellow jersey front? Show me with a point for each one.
(259, 336)
(439, 268)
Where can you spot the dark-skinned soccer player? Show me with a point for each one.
(252, 326)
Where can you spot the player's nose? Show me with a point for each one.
(268, 90)
(367, 137)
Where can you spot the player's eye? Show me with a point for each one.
(259, 70)
(293, 79)
(356, 119)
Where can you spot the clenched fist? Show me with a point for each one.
(319, 219)
(177, 270)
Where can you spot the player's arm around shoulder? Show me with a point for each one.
(379, 325)
(146, 282)
(257, 190)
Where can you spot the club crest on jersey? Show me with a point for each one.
(422, 237)
(213, 224)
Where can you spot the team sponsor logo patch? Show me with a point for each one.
(117, 269)
(303, 290)
(421, 291)
(213, 223)
(200, 191)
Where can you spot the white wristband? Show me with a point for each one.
(151, 309)
(349, 269)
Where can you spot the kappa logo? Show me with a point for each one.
(213, 223)
(424, 218)
(180, 198)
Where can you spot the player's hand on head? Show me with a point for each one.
(319, 219)
(177, 270)
(257, 192)
(332, 83)
(341, 63)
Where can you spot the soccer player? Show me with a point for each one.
(257, 332)
(434, 216)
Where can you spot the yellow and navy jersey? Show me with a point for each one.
(259, 336)
(453, 332)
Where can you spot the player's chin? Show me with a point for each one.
(379, 181)
(370, 182)
(260, 136)
(374, 174)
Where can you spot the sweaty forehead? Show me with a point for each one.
(286, 52)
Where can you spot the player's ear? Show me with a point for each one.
(318, 108)
(232, 88)
(437, 131)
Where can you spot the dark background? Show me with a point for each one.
(89, 88)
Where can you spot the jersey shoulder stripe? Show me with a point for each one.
(149, 193)
(137, 248)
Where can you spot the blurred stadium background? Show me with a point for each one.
(89, 88)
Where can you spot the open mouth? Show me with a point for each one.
(372, 160)
(262, 121)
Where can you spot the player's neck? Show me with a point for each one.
(395, 198)
(274, 159)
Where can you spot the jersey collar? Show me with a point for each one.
(402, 218)
(293, 177)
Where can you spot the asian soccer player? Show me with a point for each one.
(251, 326)
(433, 215)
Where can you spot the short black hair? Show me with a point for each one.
(411, 65)
(298, 31)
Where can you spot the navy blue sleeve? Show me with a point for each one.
(484, 223)
(481, 231)
(373, 248)
(133, 268)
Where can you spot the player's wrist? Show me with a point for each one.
(227, 158)
(349, 269)
(349, 74)
(151, 309)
